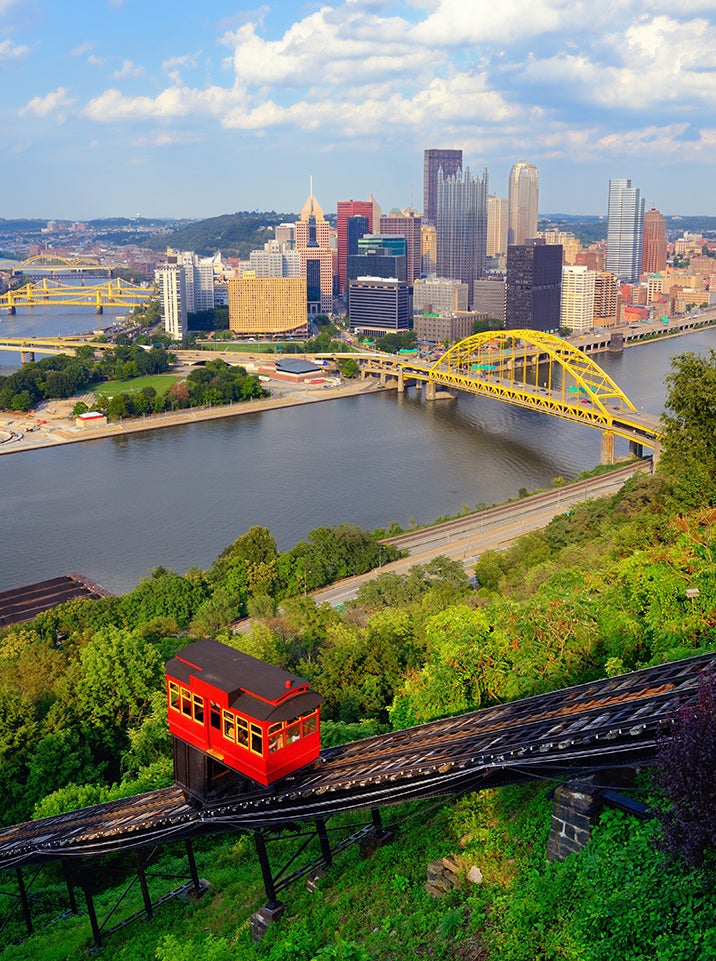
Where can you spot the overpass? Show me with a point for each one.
(530, 369)
(28, 346)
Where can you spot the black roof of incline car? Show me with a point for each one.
(253, 687)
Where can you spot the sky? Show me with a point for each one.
(119, 108)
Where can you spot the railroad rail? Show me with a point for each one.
(606, 723)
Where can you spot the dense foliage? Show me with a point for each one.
(235, 235)
(600, 590)
(687, 764)
(63, 376)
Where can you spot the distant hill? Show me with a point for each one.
(235, 235)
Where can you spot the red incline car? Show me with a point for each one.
(232, 714)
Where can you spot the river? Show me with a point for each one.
(113, 509)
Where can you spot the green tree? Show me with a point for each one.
(689, 437)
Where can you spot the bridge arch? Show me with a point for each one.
(52, 262)
(513, 357)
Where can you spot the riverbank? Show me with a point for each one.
(52, 423)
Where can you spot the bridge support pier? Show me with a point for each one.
(100, 309)
(576, 805)
(607, 454)
(401, 382)
(430, 390)
(636, 449)
(27, 356)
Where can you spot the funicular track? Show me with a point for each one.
(607, 723)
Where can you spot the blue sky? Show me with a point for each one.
(157, 108)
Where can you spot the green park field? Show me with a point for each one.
(160, 382)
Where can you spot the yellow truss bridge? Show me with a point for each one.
(529, 369)
(49, 263)
(114, 293)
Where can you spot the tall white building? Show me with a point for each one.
(199, 279)
(625, 230)
(577, 310)
(170, 279)
(523, 201)
(275, 260)
(498, 215)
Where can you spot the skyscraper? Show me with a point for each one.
(534, 281)
(313, 242)
(653, 256)
(172, 294)
(625, 230)
(497, 224)
(450, 162)
(345, 209)
(406, 223)
(462, 226)
(577, 311)
(523, 200)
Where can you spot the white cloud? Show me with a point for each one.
(329, 46)
(175, 65)
(653, 63)
(112, 105)
(10, 51)
(457, 22)
(127, 70)
(53, 102)
(83, 49)
(167, 138)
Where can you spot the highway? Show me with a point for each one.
(465, 538)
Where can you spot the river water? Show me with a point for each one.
(113, 509)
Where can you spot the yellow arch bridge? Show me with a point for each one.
(51, 264)
(44, 293)
(529, 369)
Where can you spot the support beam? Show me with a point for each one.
(193, 873)
(69, 882)
(607, 453)
(636, 449)
(269, 886)
(86, 882)
(142, 875)
(24, 900)
(326, 853)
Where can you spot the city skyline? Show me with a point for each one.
(189, 111)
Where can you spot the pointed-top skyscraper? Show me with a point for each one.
(313, 242)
